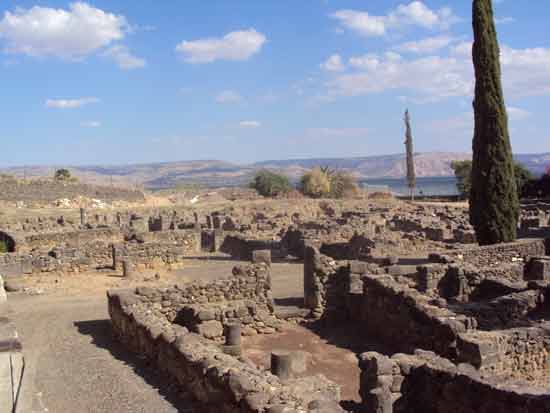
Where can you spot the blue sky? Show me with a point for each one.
(125, 81)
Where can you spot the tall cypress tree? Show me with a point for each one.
(494, 204)
(411, 173)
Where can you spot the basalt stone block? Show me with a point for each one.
(357, 267)
(261, 257)
(210, 329)
(538, 269)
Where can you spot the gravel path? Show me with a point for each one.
(73, 364)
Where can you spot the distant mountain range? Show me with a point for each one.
(215, 173)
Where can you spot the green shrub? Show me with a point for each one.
(3, 247)
(62, 175)
(270, 184)
(463, 174)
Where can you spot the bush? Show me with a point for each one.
(326, 183)
(463, 172)
(268, 183)
(343, 185)
(62, 175)
(3, 247)
(315, 183)
(523, 176)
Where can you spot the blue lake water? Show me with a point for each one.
(444, 185)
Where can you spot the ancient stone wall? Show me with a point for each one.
(222, 383)
(204, 307)
(427, 383)
(71, 239)
(241, 247)
(494, 255)
(173, 249)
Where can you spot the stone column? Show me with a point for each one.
(127, 269)
(281, 364)
(113, 256)
(83, 218)
(310, 299)
(232, 333)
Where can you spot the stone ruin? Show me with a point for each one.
(463, 328)
(181, 330)
(456, 337)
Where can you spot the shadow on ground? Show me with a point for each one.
(102, 336)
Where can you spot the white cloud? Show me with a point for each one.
(427, 45)
(433, 76)
(361, 22)
(517, 114)
(70, 103)
(333, 64)
(229, 96)
(415, 13)
(91, 124)
(525, 72)
(124, 58)
(239, 45)
(69, 34)
(249, 124)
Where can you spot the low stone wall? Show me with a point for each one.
(241, 248)
(173, 250)
(426, 383)
(205, 307)
(492, 255)
(222, 383)
(74, 239)
(390, 309)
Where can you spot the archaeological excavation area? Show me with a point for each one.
(301, 306)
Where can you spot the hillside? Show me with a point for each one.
(214, 173)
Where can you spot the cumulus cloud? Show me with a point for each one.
(415, 13)
(433, 75)
(361, 22)
(70, 103)
(229, 96)
(526, 72)
(238, 45)
(249, 124)
(124, 58)
(333, 64)
(427, 45)
(69, 34)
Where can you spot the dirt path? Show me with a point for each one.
(73, 364)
